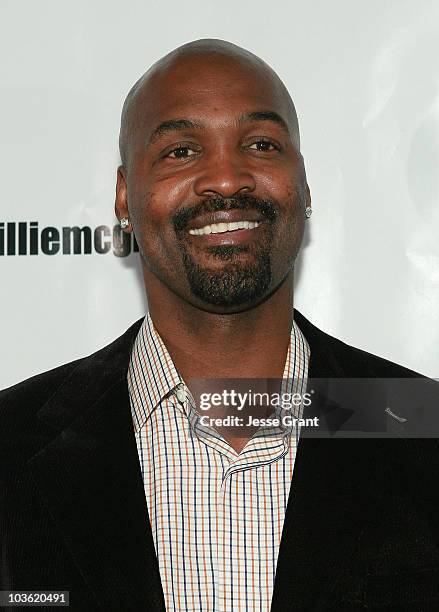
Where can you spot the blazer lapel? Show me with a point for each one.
(326, 514)
(326, 510)
(89, 476)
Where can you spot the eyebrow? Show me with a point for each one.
(265, 115)
(173, 125)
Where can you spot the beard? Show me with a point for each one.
(237, 282)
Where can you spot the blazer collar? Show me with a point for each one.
(90, 478)
(324, 362)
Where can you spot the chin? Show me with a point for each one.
(229, 307)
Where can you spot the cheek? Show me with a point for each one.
(284, 183)
(155, 201)
(292, 221)
(152, 213)
(274, 185)
(146, 211)
(295, 211)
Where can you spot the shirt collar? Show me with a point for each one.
(152, 375)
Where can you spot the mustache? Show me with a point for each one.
(267, 208)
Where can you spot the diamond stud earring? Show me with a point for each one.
(124, 222)
(308, 212)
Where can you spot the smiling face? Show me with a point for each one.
(213, 181)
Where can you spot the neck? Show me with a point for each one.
(250, 344)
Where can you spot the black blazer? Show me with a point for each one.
(361, 528)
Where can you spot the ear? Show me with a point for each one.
(121, 204)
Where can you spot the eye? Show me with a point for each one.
(264, 146)
(181, 152)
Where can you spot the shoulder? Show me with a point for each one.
(22, 433)
(362, 362)
(65, 389)
(333, 357)
(35, 391)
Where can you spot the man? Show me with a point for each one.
(113, 488)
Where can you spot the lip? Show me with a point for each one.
(225, 216)
(234, 237)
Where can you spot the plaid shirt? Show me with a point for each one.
(216, 515)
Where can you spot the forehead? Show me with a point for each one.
(213, 91)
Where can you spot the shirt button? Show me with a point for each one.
(181, 395)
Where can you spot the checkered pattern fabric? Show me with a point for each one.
(216, 515)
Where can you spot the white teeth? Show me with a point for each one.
(220, 228)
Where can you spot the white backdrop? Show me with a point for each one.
(365, 80)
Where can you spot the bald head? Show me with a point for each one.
(203, 64)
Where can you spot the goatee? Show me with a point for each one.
(238, 282)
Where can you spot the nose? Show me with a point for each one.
(225, 176)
